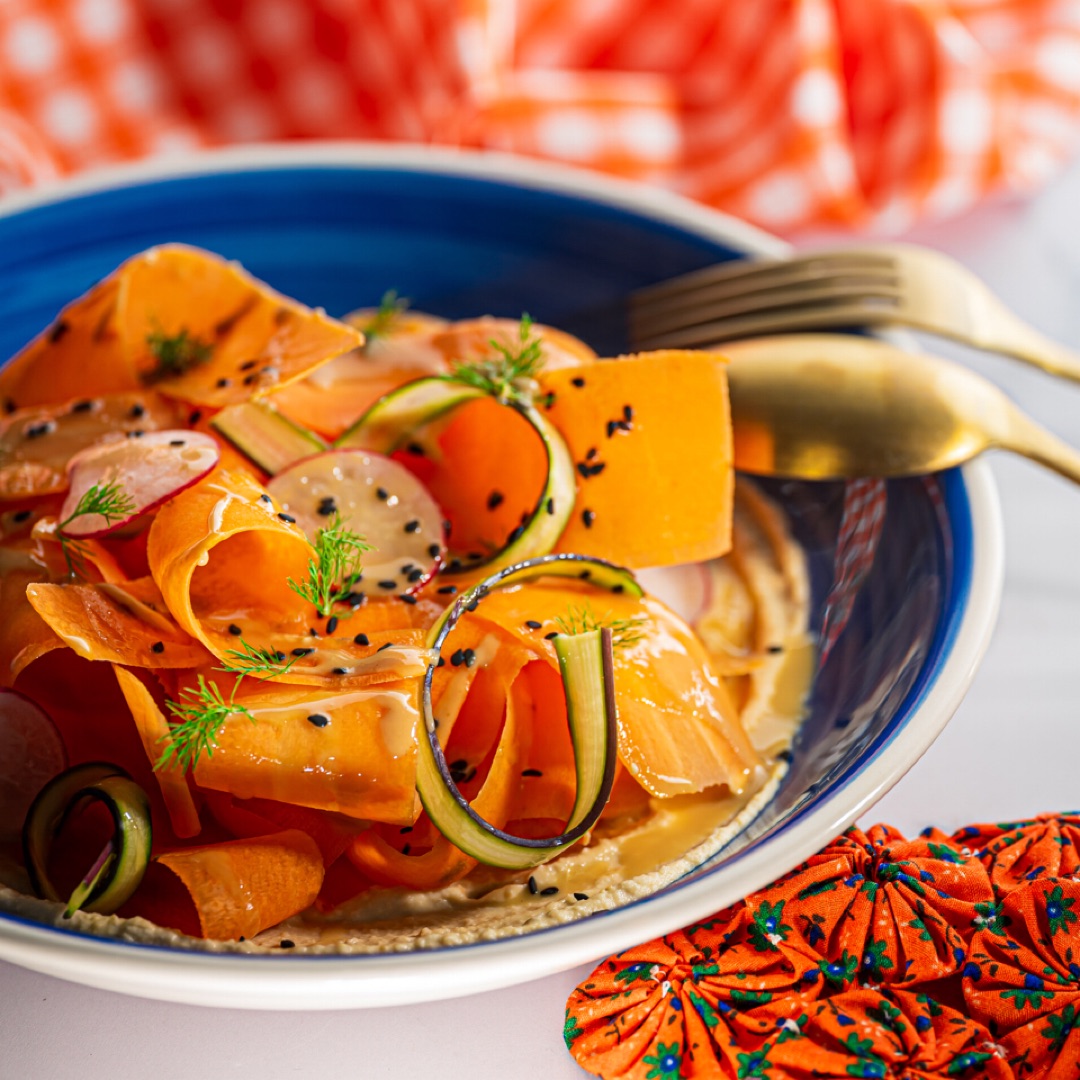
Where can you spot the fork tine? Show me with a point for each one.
(709, 310)
(775, 321)
(759, 271)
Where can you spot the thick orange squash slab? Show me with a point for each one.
(153, 730)
(679, 732)
(79, 356)
(257, 339)
(361, 763)
(231, 890)
(651, 434)
(37, 443)
(124, 624)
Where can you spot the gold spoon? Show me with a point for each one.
(829, 406)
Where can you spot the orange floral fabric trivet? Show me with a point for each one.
(941, 956)
(790, 113)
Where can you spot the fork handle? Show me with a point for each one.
(1035, 442)
(1009, 335)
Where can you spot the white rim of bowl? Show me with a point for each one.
(328, 982)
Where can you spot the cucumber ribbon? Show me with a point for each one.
(118, 870)
(585, 661)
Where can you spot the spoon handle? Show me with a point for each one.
(1032, 441)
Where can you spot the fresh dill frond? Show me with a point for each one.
(175, 354)
(336, 567)
(110, 501)
(391, 308)
(195, 721)
(581, 620)
(258, 663)
(505, 375)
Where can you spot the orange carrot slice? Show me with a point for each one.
(153, 730)
(246, 339)
(24, 635)
(124, 624)
(232, 890)
(79, 356)
(651, 434)
(348, 751)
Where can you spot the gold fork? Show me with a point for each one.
(882, 285)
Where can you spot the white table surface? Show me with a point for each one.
(1009, 752)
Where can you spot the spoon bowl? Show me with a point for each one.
(834, 406)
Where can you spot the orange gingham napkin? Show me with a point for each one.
(790, 113)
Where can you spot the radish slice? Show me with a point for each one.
(147, 471)
(31, 754)
(379, 499)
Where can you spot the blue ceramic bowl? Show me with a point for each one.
(464, 234)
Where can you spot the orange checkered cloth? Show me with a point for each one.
(790, 113)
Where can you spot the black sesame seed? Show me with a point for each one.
(382, 493)
(248, 365)
(327, 507)
(460, 765)
(251, 380)
(35, 431)
(331, 624)
(551, 890)
(442, 662)
(285, 943)
(434, 550)
(447, 590)
(532, 624)
(135, 434)
(318, 719)
(222, 383)
(9, 405)
(457, 658)
(581, 896)
(21, 516)
(195, 417)
(590, 453)
(405, 829)
(475, 556)
(279, 656)
(388, 584)
(158, 647)
(531, 772)
(388, 645)
(341, 671)
(177, 442)
(587, 518)
(59, 329)
(612, 427)
(235, 630)
(533, 887)
(353, 598)
(775, 649)
(550, 506)
(585, 575)
(553, 634)
(408, 568)
(406, 848)
(469, 657)
(415, 448)
(302, 652)
(415, 575)
(578, 381)
(618, 588)
(361, 639)
(412, 526)
(627, 413)
(452, 566)
(82, 406)
(137, 410)
(515, 534)
(286, 517)
(313, 632)
(495, 500)
(405, 598)
(266, 499)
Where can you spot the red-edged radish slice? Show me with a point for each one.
(377, 498)
(31, 754)
(146, 472)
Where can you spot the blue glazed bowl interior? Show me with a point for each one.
(457, 246)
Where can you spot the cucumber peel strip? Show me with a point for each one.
(120, 867)
(387, 425)
(265, 436)
(585, 661)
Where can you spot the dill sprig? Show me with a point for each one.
(391, 308)
(508, 374)
(110, 501)
(581, 620)
(175, 354)
(335, 568)
(196, 719)
(260, 664)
